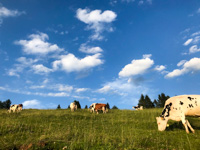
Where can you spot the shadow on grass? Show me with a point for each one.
(179, 125)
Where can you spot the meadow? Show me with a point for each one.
(116, 130)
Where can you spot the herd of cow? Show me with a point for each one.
(94, 107)
(176, 108)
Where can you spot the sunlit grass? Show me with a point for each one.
(118, 129)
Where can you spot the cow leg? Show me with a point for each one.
(188, 124)
(184, 122)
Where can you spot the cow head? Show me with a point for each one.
(162, 123)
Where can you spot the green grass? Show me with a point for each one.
(118, 129)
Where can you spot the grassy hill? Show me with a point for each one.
(118, 129)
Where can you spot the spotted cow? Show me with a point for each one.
(138, 107)
(13, 108)
(98, 107)
(176, 108)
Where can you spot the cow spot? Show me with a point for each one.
(190, 98)
(190, 105)
(167, 110)
(181, 103)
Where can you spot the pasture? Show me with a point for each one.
(118, 129)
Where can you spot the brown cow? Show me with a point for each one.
(98, 106)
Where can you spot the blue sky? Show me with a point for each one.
(55, 52)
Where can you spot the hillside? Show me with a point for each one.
(118, 129)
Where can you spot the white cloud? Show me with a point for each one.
(32, 104)
(196, 40)
(126, 91)
(190, 66)
(65, 88)
(70, 63)
(50, 94)
(40, 69)
(194, 49)
(104, 89)
(4, 13)
(78, 90)
(90, 50)
(37, 44)
(160, 68)
(37, 87)
(196, 33)
(188, 42)
(137, 67)
(23, 63)
(181, 63)
(95, 16)
(96, 20)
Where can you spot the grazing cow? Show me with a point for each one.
(176, 108)
(138, 107)
(92, 106)
(98, 106)
(13, 108)
(73, 106)
(20, 106)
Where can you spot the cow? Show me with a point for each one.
(176, 108)
(92, 106)
(20, 106)
(73, 106)
(138, 107)
(98, 106)
(13, 108)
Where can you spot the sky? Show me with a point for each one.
(98, 51)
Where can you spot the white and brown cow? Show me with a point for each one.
(13, 108)
(176, 108)
(98, 107)
(73, 106)
(138, 107)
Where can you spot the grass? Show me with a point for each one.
(118, 129)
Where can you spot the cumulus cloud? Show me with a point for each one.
(32, 104)
(4, 13)
(137, 67)
(38, 45)
(96, 21)
(70, 63)
(41, 69)
(90, 50)
(190, 66)
(160, 68)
